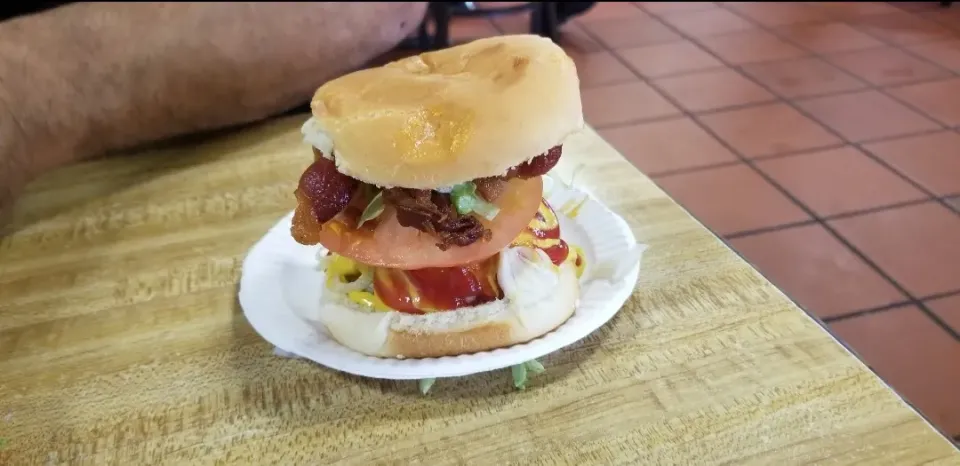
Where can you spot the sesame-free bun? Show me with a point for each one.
(449, 116)
(498, 324)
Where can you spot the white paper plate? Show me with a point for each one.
(280, 289)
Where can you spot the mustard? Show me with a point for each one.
(573, 253)
(342, 269)
(368, 299)
(346, 270)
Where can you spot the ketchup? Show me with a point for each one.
(558, 252)
(543, 233)
(438, 288)
(449, 288)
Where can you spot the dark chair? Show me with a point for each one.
(543, 20)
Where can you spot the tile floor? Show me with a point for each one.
(819, 139)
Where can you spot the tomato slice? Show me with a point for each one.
(388, 244)
(438, 288)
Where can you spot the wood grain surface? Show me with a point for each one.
(121, 342)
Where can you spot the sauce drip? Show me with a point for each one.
(440, 288)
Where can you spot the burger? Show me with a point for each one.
(426, 194)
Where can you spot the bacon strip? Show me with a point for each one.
(328, 190)
(431, 212)
(492, 187)
(538, 166)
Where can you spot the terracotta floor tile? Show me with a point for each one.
(731, 199)
(845, 10)
(838, 181)
(803, 77)
(468, 29)
(668, 59)
(624, 103)
(739, 48)
(948, 310)
(914, 356)
(572, 36)
(600, 68)
(663, 146)
(777, 13)
(610, 10)
(514, 24)
(955, 203)
(940, 100)
(817, 271)
(946, 17)
(631, 32)
(711, 90)
(659, 8)
(916, 245)
(866, 115)
(902, 28)
(827, 37)
(945, 54)
(932, 160)
(768, 130)
(701, 23)
(886, 66)
(916, 7)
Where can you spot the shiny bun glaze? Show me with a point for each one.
(453, 115)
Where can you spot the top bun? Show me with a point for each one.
(453, 115)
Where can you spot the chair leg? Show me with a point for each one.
(441, 19)
(543, 21)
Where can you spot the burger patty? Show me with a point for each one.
(330, 191)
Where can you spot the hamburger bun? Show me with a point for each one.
(498, 324)
(446, 117)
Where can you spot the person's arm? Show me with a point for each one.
(87, 78)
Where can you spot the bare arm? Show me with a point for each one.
(83, 79)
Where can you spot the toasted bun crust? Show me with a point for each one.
(453, 115)
(463, 331)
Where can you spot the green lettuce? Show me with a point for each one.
(521, 373)
(466, 200)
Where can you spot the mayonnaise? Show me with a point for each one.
(316, 137)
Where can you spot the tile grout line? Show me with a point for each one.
(771, 229)
(936, 296)
(828, 218)
(918, 302)
(789, 101)
(650, 81)
(939, 322)
(890, 306)
(866, 312)
(859, 145)
(884, 44)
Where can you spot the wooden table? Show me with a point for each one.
(121, 342)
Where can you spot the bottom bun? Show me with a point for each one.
(497, 324)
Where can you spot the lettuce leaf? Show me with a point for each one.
(466, 200)
(521, 374)
(373, 209)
